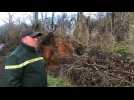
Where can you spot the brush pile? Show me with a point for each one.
(104, 69)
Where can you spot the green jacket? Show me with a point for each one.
(24, 67)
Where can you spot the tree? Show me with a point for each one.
(81, 32)
(131, 32)
(10, 18)
(120, 25)
(36, 23)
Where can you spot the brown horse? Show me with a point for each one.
(57, 50)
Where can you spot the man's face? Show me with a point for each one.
(32, 41)
(36, 41)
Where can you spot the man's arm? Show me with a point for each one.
(13, 75)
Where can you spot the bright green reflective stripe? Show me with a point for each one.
(24, 63)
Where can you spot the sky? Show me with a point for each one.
(26, 16)
(16, 15)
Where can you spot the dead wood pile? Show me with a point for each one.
(98, 68)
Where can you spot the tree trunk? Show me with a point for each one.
(36, 26)
(131, 32)
(81, 32)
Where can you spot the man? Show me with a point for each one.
(24, 67)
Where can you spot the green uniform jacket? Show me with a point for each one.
(24, 67)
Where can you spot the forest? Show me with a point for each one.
(86, 51)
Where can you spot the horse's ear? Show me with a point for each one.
(48, 39)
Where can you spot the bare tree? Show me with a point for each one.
(42, 16)
(36, 24)
(81, 32)
(10, 18)
(35, 15)
(52, 25)
(120, 25)
(131, 32)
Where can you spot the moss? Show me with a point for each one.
(121, 48)
(57, 82)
